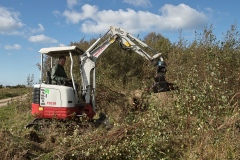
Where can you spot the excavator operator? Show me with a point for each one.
(58, 74)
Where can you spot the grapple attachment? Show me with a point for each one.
(160, 84)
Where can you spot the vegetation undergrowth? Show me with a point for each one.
(200, 121)
(13, 92)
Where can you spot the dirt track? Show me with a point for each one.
(5, 102)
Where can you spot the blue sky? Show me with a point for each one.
(26, 26)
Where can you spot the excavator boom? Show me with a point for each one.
(126, 41)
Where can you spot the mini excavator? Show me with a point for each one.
(66, 102)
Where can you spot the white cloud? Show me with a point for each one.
(71, 3)
(10, 24)
(143, 3)
(170, 18)
(74, 17)
(42, 39)
(9, 21)
(39, 29)
(182, 16)
(61, 45)
(209, 9)
(56, 13)
(15, 46)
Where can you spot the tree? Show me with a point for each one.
(30, 79)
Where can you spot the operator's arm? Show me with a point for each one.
(58, 75)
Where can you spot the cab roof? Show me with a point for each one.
(61, 51)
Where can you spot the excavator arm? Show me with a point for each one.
(127, 42)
